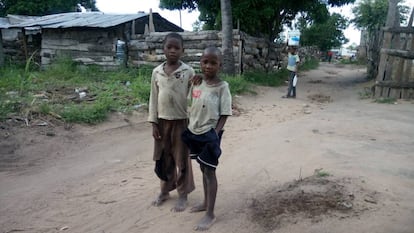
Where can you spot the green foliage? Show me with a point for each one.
(321, 173)
(44, 7)
(372, 15)
(386, 100)
(256, 17)
(52, 91)
(8, 107)
(25, 92)
(350, 61)
(309, 64)
(84, 113)
(272, 79)
(326, 35)
(237, 84)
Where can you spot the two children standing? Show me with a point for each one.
(171, 83)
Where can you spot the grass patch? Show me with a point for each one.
(321, 173)
(25, 90)
(86, 94)
(353, 61)
(272, 79)
(310, 63)
(366, 93)
(386, 100)
(237, 84)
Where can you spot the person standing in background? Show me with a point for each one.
(292, 67)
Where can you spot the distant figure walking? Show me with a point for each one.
(330, 54)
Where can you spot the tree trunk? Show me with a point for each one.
(393, 16)
(227, 41)
(374, 47)
(376, 39)
(1, 50)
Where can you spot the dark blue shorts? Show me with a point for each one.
(205, 147)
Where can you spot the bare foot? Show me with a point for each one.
(198, 208)
(205, 223)
(160, 199)
(180, 205)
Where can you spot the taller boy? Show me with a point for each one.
(170, 84)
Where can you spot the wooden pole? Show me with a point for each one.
(25, 44)
(151, 22)
(1, 50)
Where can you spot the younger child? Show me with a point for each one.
(170, 83)
(210, 107)
(292, 66)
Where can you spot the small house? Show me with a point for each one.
(89, 38)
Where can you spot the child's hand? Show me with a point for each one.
(156, 132)
(196, 79)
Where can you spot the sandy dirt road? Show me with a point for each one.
(100, 178)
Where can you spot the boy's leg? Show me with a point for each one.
(166, 185)
(210, 199)
(290, 85)
(202, 206)
(168, 166)
(184, 178)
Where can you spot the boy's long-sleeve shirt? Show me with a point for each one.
(168, 98)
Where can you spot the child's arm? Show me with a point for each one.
(153, 108)
(220, 124)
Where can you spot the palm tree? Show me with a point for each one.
(227, 41)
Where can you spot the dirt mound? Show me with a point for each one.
(308, 198)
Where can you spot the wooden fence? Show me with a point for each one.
(395, 77)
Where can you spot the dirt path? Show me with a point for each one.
(327, 161)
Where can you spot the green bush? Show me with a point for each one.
(237, 84)
(310, 63)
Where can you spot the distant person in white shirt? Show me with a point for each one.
(292, 67)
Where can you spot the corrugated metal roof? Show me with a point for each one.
(77, 19)
(4, 23)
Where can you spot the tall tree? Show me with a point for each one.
(371, 15)
(257, 17)
(326, 35)
(44, 7)
(227, 42)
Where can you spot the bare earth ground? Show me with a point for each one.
(326, 162)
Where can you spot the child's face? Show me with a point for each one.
(210, 64)
(173, 49)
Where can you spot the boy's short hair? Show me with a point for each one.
(215, 50)
(175, 36)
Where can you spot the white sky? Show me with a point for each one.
(351, 32)
(187, 19)
(133, 6)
